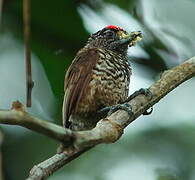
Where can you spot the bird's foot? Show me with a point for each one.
(111, 109)
(145, 92)
(125, 106)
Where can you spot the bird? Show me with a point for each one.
(98, 77)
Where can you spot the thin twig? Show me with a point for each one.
(1, 9)
(29, 81)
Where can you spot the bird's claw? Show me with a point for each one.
(146, 92)
(148, 112)
(126, 107)
(149, 94)
(111, 109)
(143, 91)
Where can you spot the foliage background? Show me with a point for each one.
(160, 146)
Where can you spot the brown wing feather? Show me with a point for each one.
(77, 79)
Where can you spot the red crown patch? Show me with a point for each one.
(115, 27)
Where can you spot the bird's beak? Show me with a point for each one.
(130, 38)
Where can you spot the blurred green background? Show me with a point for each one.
(156, 147)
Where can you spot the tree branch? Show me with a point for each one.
(49, 166)
(107, 130)
(18, 116)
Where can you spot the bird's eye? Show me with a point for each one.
(109, 34)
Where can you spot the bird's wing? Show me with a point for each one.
(77, 79)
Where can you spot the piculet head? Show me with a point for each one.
(113, 38)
